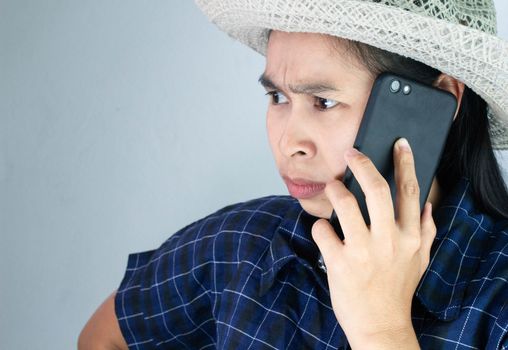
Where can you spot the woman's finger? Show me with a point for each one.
(328, 242)
(348, 211)
(408, 190)
(428, 234)
(377, 191)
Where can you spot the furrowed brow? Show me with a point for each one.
(267, 82)
(310, 88)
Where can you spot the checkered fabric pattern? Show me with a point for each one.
(247, 277)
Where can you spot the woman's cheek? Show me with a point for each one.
(335, 140)
(274, 131)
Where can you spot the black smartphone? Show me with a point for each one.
(401, 107)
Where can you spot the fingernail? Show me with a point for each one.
(403, 144)
(352, 152)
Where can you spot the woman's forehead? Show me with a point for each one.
(304, 57)
(322, 44)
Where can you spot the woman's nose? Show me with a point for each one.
(296, 138)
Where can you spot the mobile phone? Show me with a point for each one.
(401, 107)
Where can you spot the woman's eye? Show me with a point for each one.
(321, 103)
(325, 103)
(276, 97)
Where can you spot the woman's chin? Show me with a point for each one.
(317, 206)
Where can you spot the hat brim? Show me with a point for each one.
(478, 59)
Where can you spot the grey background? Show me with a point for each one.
(120, 122)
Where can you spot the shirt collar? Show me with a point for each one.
(292, 241)
(461, 241)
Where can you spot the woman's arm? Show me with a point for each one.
(102, 331)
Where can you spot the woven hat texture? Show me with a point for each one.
(457, 37)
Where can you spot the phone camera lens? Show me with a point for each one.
(406, 90)
(395, 86)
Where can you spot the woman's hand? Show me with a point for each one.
(374, 273)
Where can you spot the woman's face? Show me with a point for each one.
(318, 97)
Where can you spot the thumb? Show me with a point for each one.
(328, 242)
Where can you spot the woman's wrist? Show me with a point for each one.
(397, 338)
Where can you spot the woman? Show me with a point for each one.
(248, 276)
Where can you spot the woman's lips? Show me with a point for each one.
(302, 189)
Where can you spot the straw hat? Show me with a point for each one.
(457, 37)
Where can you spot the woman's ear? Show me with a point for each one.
(446, 82)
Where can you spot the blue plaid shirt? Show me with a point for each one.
(247, 277)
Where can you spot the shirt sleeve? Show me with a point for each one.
(163, 299)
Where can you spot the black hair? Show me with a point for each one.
(468, 151)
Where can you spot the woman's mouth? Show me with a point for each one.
(302, 188)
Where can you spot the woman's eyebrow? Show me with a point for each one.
(307, 88)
